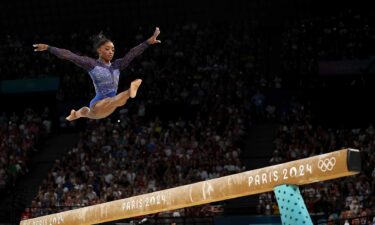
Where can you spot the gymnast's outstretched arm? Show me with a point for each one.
(85, 62)
(123, 62)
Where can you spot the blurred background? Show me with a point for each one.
(234, 86)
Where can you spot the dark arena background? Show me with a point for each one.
(233, 86)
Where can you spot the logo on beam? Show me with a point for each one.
(327, 164)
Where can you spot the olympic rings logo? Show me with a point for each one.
(327, 164)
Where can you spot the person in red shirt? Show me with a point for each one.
(26, 214)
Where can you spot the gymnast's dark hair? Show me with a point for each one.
(99, 40)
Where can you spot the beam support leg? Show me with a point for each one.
(291, 205)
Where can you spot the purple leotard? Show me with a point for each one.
(105, 77)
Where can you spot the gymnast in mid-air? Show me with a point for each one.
(104, 74)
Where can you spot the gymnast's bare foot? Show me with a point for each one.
(72, 115)
(83, 112)
(134, 88)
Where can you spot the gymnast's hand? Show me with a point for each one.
(40, 47)
(152, 40)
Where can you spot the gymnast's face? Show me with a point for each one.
(106, 51)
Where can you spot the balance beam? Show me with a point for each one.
(328, 166)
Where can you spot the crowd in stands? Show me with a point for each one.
(20, 135)
(138, 152)
(348, 35)
(343, 199)
(345, 35)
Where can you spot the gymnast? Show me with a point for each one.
(104, 74)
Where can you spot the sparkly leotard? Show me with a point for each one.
(105, 77)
